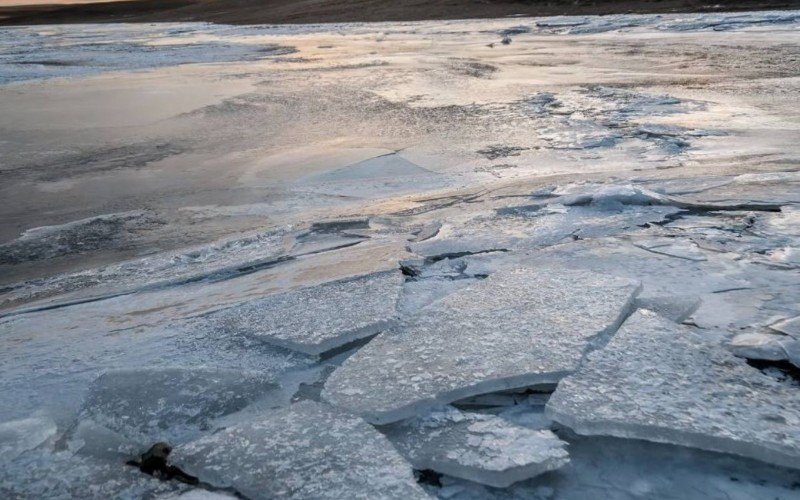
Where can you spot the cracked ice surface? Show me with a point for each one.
(517, 328)
(308, 450)
(482, 448)
(662, 382)
(170, 404)
(320, 318)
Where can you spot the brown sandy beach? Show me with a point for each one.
(20, 12)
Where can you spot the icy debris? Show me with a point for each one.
(482, 448)
(759, 346)
(317, 319)
(308, 450)
(673, 307)
(170, 404)
(517, 328)
(789, 326)
(662, 382)
(85, 235)
(427, 231)
(62, 475)
(616, 196)
(218, 260)
(19, 436)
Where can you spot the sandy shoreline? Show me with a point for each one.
(322, 11)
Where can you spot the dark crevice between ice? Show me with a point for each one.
(429, 477)
(782, 369)
(709, 211)
(155, 462)
(501, 399)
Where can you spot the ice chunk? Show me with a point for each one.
(790, 326)
(308, 450)
(662, 382)
(482, 448)
(758, 346)
(19, 436)
(517, 328)
(170, 404)
(674, 307)
(317, 319)
(45, 474)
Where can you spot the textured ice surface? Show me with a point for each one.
(676, 308)
(60, 475)
(662, 382)
(18, 436)
(760, 346)
(482, 448)
(170, 404)
(308, 450)
(516, 328)
(320, 318)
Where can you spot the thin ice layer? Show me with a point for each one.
(662, 382)
(517, 328)
(482, 448)
(308, 450)
(320, 318)
(168, 403)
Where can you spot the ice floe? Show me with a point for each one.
(662, 382)
(517, 328)
(482, 448)
(308, 450)
(317, 319)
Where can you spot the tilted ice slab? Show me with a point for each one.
(662, 382)
(19, 436)
(517, 328)
(308, 450)
(170, 404)
(482, 448)
(317, 319)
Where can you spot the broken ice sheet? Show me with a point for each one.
(308, 450)
(662, 382)
(170, 404)
(517, 328)
(18, 436)
(317, 319)
(482, 448)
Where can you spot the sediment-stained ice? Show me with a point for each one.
(170, 404)
(308, 450)
(517, 328)
(662, 382)
(482, 448)
(317, 319)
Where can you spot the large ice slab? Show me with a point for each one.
(482, 448)
(662, 382)
(519, 327)
(317, 319)
(169, 404)
(308, 450)
(19, 436)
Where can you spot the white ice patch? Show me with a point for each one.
(481, 448)
(308, 450)
(514, 329)
(662, 382)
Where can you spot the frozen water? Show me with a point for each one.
(517, 328)
(317, 319)
(18, 436)
(61, 475)
(170, 404)
(758, 346)
(662, 382)
(482, 448)
(676, 308)
(305, 451)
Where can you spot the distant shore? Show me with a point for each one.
(322, 11)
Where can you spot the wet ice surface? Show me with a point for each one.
(494, 210)
(665, 383)
(517, 328)
(305, 451)
(481, 448)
